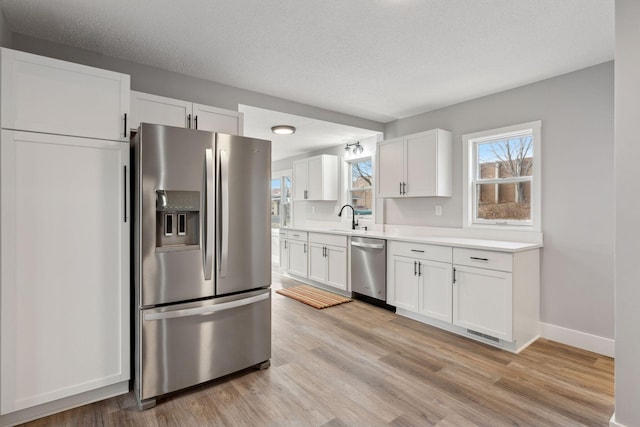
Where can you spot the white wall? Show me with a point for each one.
(627, 209)
(174, 85)
(576, 110)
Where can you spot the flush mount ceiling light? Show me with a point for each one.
(357, 148)
(283, 130)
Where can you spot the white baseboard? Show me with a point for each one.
(613, 423)
(583, 340)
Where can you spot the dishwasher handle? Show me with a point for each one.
(368, 245)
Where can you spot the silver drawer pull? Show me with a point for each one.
(417, 250)
(367, 245)
(479, 259)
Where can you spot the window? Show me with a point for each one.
(281, 201)
(361, 187)
(503, 177)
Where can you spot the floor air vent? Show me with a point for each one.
(480, 334)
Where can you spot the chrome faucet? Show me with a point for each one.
(353, 216)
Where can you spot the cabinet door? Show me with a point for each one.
(146, 108)
(216, 119)
(390, 174)
(336, 259)
(298, 258)
(315, 179)
(421, 157)
(65, 267)
(404, 290)
(482, 301)
(317, 263)
(300, 178)
(435, 289)
(284, 254)
(48, 95)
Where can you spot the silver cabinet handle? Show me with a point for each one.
(305, 248)
(210, 309)
(454, 275)
(415, 263)
(207, 233)
(285, 245)
(367, 245)
(224, 213)
(188, 121)
(419, 269)
(404, 188)
(479, 259)
(417, 250)
(401, 188)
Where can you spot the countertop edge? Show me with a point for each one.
(457, 242)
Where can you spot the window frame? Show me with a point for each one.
(470, 179)
(281, 175)
(371, 188)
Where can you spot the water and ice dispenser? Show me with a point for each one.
(177, 219)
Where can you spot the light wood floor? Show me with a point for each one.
(357, 365)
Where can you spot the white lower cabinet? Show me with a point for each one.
(483, 301)
(297, 248)
(328, 259)
(488, 295)
(64, 306)
(418, 283)
(284, 252)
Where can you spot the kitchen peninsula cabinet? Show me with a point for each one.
(328, 259)
(418, 165)
(161, 110)
(64, 221)
(316, 178)
(47, 95)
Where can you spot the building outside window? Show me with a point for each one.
(503, 177)
(360, 190)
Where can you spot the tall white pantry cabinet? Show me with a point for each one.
(64, 223)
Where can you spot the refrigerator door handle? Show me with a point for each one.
(224, 214)
(208, 214)
(209, 309)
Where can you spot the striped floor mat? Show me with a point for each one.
(312, 296)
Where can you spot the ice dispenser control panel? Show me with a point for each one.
(177, 219)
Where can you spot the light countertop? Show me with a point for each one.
(458, 242)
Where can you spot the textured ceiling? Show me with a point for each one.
(377, 59)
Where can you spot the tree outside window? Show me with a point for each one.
(361, 186)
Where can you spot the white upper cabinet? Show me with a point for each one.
(418, 165)
(217, 119)
(316, 178)
(47, 95)
(147, 108)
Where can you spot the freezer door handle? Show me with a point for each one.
(209, 309)
(224, 214)
(208, 214)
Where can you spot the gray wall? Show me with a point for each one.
(174, 85)
(576, 110)
(5, 34)
(627, 206)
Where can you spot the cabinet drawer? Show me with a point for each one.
(328, 239)
(297, 235)
(493, 260)
(421, 251)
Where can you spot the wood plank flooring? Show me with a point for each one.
(358, 365)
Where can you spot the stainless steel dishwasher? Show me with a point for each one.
(369, 267)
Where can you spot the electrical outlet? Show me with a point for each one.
(438, 210)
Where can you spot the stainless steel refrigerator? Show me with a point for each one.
(202, 257)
